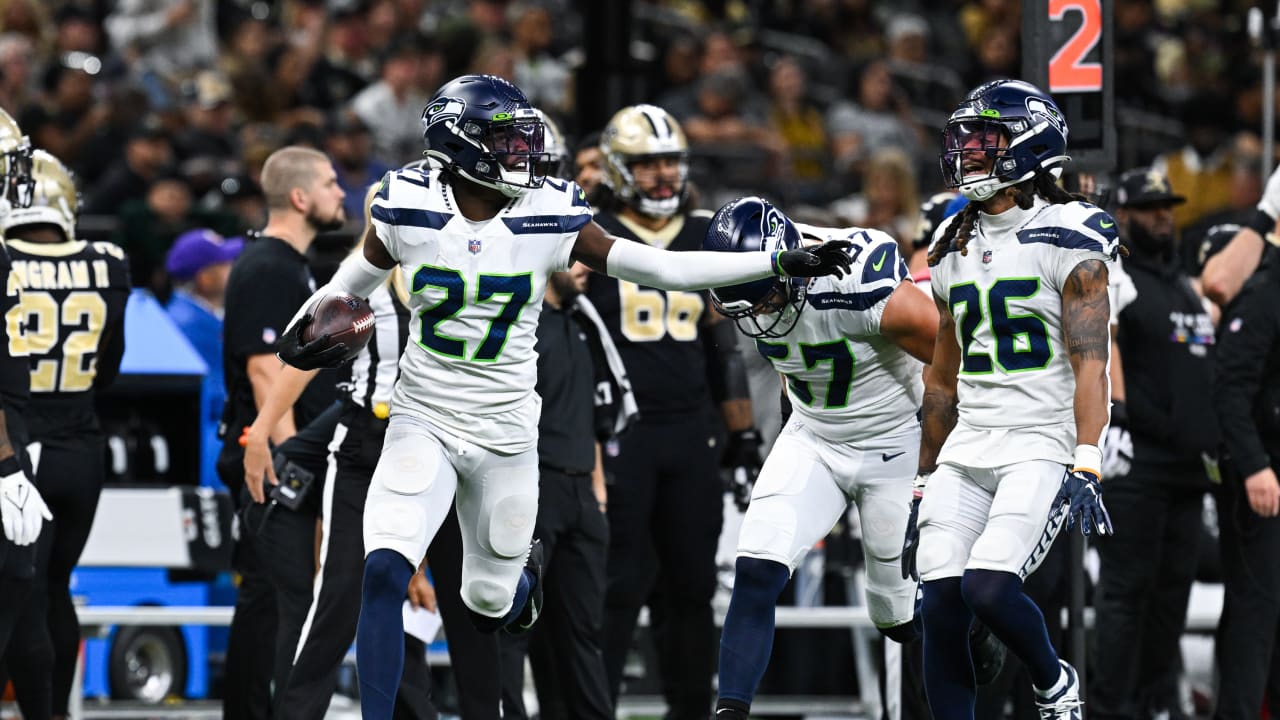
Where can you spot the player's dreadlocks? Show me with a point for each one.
(1023, 194)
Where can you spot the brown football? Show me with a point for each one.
(344, 318)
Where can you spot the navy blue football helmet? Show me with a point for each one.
(1017, 125)
(761, 308)
(483, 128)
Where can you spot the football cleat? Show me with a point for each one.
(1064, 704)
(532, 604)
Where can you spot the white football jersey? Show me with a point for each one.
(847, 381)
(1016, 387)
(475, 295)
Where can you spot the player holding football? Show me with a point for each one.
(851, 350)
(477, 240)
(1017, 398)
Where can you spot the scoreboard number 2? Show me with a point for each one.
(1068, 70)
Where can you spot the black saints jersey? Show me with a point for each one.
(72, 318)
(658, 332)
(14, 381)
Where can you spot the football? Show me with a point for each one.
(344, 318)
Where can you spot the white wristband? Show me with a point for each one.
(1089, 457)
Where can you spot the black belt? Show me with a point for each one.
(563, 471)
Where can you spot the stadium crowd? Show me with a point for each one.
(167, 111)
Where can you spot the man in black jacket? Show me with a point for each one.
(1166, 338)
(1247, 398)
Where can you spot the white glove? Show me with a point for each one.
(1270, 202)
(1117, 452)
(22, 510)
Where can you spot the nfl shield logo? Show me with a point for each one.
(473, 245)
(986, 256)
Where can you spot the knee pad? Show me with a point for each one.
(489, 585)
(508, 525)
(391, 516)
(769, 532)
(904, 633)
(1006, 549)
(941, 554)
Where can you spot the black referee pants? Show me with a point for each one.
(564, 647)
(1249, 630)
(665, 512)
(1147, 567)
(275, 558)
(331, 623)
(17, 564)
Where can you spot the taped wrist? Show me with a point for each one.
(357, 276)
(1088, 457)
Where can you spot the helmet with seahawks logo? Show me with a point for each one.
(641, 132)
(1018, 127)
(769, 307)
(483, 128)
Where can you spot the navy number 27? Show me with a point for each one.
(517, 289)
(1022, 341)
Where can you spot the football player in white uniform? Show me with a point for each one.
(852, 351)
(477, 239)
(1016, 400)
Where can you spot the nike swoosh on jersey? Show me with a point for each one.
(1105, 224)
(879, 263)
(887, 457)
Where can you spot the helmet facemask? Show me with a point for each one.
(773, 316)
(631, 193)
(54, 198)
(512, 158)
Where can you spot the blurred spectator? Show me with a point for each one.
(545, 79)
(164, 41)
(286, 96)
(983, 18)
(242, 198)
(199, 264)
(879, 118)
(588, 163)
(349, 145)
(17, 62)
(1244, 191)
(72, 112)
(76, 31)
(888, 201)
(1166, 338)
(798, 121)
(147, 152)
(345, 65)
(725, 125)
(28, 17)
(718, 54)
(147, 228)
(926, 83)
(208, 132)
(1202, 168)
(996, 55)
(392, 107)
(495, 57)
(244, 62)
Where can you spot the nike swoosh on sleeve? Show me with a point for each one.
(879, 263)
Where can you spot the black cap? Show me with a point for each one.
(1145, 187)
(150, 127)
(1215, 238)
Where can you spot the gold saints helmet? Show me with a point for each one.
(15, 162)
(54, 200)
(635, 133)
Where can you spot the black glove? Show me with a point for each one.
(1117, 444)
(741, 463)
(911, 542)
(1081, 498)
(829, 258)
(318, 354)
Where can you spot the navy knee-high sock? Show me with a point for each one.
(523, 587)
(997, 599)
(380, 635)
(747, 638)
(948, 670)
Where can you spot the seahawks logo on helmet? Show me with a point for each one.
(1039, 109)
(442, 109)
(772, 228)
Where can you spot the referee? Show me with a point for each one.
(275, 550)
(579, 376)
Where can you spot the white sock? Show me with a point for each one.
(1057, 686)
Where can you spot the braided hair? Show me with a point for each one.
(1023, 195)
